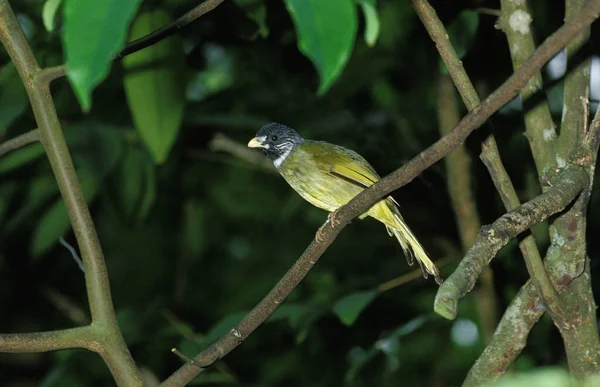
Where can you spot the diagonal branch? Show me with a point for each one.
(170, 29)
(492, 238)
(385, 186)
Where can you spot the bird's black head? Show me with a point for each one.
(276, 141)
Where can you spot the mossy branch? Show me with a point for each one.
(492, 238)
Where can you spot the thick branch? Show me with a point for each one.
(393, 181)
(509, 339)
(96, 277)
(533, 258)
(493, 237)
(539, 127)
(577, 81)
(19, 141)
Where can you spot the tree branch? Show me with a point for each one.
(221, 142)
(572, 180)
(490, 154)
(509, 339)
(168, 30)
(80, 337)
(539, 127)
(459, 180)
(96, 277)
(385, 186)
(19, 141)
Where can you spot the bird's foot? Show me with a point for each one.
(331, 218)
(319, 234)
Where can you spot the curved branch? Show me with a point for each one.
(395, 180)
(492, 238)
(19, 141)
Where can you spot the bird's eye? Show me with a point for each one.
(274, 138)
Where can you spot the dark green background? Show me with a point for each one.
(194, 243)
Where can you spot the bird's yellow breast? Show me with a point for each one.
(306, 171)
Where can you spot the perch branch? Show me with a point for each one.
(19, 141)
(385, 186)
(492, 238)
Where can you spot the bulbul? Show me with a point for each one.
(329, 176)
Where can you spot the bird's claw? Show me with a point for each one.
(318, 235)
(331, 218)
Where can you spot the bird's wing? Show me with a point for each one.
(348, 165)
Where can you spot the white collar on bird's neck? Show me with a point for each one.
(287, 148)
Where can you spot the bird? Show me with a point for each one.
(329, 176)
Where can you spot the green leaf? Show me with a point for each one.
(135, 186)
(326, 34)
(371, 21)
(155, 86)
(94, 32)
(256, 10)
(49, 13)
(349, 307)
(55, 222)
(462, 32)
(13, 98)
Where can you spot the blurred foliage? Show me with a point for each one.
(195, 241)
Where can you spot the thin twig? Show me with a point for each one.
(572, 180)
(168, 30)
(49, 74)
(385, 186)
(221, 142)
(20, 141)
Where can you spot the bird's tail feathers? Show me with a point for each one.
(413, 250)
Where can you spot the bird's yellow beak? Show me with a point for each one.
(254, 143)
